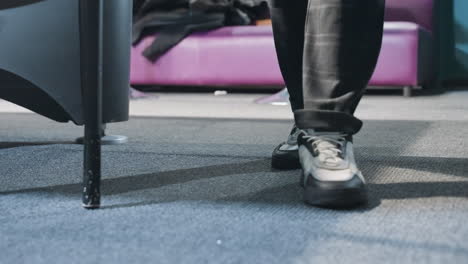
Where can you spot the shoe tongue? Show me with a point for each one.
(309, 131)
(329, 134)
(313, 132)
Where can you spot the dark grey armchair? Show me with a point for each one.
(69, 60)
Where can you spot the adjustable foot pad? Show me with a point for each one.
(108, 140)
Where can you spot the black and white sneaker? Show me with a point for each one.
(285, 156)
(330, 174)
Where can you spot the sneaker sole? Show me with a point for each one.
(335, 198)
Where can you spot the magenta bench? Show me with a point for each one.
(245, 56)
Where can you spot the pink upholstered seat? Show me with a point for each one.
(236, 56)
(231, 56)
(420, 12)
(406, 56)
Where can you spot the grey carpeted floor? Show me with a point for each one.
(202, 191)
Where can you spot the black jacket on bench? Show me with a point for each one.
(173, 20)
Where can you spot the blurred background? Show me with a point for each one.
(424, 54)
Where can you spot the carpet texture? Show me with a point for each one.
(202, 191)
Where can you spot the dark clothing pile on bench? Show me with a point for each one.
(173, 20)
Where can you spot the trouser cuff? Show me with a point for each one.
(323, 120)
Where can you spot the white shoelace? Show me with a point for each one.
(329, 145)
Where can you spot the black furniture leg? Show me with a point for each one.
(91, 22)
(407, 91)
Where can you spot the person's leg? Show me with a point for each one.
(342, 44)
(288, 17)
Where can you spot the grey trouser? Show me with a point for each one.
(327, 50)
